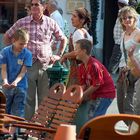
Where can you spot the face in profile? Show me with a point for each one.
(76, 21)
(79, 52)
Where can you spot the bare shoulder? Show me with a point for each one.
(138, 36)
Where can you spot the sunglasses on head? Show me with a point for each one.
(35, 4)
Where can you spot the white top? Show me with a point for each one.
(128, 44)
(80, 34)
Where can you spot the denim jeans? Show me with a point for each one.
(91, 109)
(15, 101)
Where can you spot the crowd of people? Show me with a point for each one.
(36, 41)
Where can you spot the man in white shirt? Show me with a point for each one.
(52, 6)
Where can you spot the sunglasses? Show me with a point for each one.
(35, 4)
(125, 18)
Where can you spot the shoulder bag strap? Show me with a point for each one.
(124, 51)
(84, 32)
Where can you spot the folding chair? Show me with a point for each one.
(5, 118)
(3, 130)
(45, 111)
(47, 108)
(65, 113)
(103, 128)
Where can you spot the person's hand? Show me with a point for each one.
(6, 85)
(85, 99)
(13, 85)
(131, 51)
(54, 58)
(63, 59)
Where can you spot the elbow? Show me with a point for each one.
(6, 40)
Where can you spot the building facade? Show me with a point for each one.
(12, 10)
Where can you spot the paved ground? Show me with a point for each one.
(114, 110)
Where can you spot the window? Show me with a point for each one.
(10, 11)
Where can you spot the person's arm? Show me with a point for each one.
(133, 60)
(69, 55)
(4, 73)
(20, 76)
(62, 47)
(59, 36)
(7, 40)
(89, 91)
(97, 80)
(27, 63)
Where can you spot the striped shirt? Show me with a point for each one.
(117, 32)
(41, 35)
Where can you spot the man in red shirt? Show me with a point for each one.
(99, 89)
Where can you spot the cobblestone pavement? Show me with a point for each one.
(114, 110)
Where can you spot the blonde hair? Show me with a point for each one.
(21, 34)
(128, 10)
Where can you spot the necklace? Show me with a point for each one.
(129, 33)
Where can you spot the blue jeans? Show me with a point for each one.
(15, 101)
(91, 109)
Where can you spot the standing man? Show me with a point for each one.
(52, 7)
(41, 29)
(117, 32)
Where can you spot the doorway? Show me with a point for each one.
(111, 12)
(10, 11)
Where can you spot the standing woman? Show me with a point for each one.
(80, 20)
(127, 79)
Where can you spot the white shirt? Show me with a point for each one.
(58, 18)
(79, 34)
(127, 45)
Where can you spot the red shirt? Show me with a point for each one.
(97, 75)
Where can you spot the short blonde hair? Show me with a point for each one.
(21, 34)
(128, 10)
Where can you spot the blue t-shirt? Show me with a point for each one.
(14, 64)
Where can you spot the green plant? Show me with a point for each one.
(94, 7)
(138, 8)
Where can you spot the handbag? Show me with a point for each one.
(132, 68)
(129, 63)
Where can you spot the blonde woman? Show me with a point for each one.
(130, 38)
